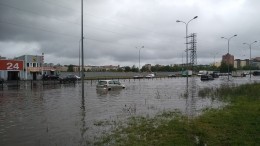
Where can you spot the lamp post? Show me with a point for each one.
(187, 53)
(250, 55)
(139, 55)
(82, 53)
(215, 58)
(79, 55)
(228, 50)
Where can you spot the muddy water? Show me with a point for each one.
(57, 114)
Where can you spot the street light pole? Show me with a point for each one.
(187, 49)
(139, 55)
(79, 56)
(228, 50)
(82, 53)
(250, 56)
(215, 58)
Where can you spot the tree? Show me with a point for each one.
(134, 69)
(127, 69)
(120, 70)
(224, 67)
(70, 68)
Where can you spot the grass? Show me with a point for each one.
(238, 123)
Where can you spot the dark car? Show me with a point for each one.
(69, 78)
(256, 73)
(206, 77)
(50, 77)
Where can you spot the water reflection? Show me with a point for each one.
(83, 128)
(191, 90)
(58, 115)
(105, 92)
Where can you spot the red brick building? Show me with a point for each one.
(228, 59)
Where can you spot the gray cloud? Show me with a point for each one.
(114, 28)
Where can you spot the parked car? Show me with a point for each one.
(206, 77)
(138, 77)
(50, 77)
(77, 77)
(150, 76)
(172, 75)
(110, 85)
(256, 73)
(69, 78)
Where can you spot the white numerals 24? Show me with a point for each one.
(11, 66)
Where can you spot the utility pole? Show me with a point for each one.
(82, 52)
(228, 55)
(187, 49)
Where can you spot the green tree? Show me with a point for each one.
(134, 69)
(70, 68)
(127, 69)
(224, 67)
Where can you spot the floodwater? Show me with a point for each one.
(58, 115)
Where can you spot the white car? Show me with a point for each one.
(110, 84)
(150, 76)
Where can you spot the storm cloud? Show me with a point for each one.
(114, 30)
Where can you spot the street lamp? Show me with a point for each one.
(250, 55)
(187, 53)
(79, 55)
(139, 55)
(82, 54)
(228, 50)
(215, 59)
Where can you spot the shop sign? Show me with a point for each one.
(11, 65)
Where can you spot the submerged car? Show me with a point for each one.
(110, 84)
(50, 77)
(68, 78)
(206, 77)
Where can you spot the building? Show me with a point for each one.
(238, 63)
(34, 67)
(256, 62)
(2, 58)
(11, 69)
(228, 59)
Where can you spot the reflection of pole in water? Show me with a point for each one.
(190, 97)
(83, 114)
(186, 96)
(193, 99)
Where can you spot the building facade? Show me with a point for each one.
(256, 62)
(25, 67)
(228, 59)
(11, 69)
(238, 63)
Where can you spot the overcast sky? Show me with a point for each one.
(114, 30)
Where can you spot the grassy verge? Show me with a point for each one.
(236, 124)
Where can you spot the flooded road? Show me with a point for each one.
(57, 114)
